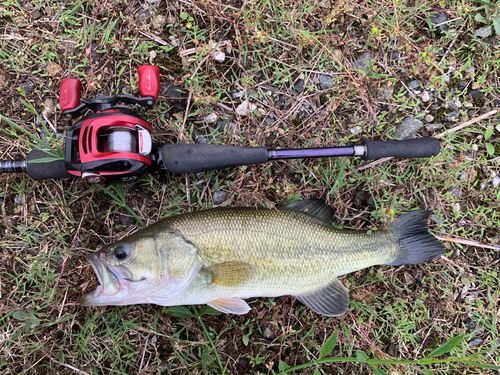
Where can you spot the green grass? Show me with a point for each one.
(398, 317)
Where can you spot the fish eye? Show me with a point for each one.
(121, 252)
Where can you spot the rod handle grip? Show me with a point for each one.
(194, 158)
(38, 169)
(408, 148)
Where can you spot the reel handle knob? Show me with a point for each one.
(69, 93)
(149, 81)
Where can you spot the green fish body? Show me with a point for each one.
(222, 256)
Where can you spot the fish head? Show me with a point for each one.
(142, 268)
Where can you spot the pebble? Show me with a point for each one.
(212, 117)
(363, 62)
(385, 92)
(463, 175)
(159, 22)
(408, 128)
(438, 20)
(169, 89)
(455, 192)
(433, 127)
(219, 196)
(429, 118)
(267, 331)
(245, 108)
(483, 32)
(475, 342)
(425, 96)
(394, 55)
(474, 147)
(218, 56)
(497, 127)
(468, 105)
(452, 115)
(476, 94)
(325, 81)
(355, 130)
(338, 54)
(27, 87)
(434, 108)
(96, 56)
(173, 40)
(53, 69)
(495, 182)
(438, 219)
(413, 85)
(36, 15)
(298, 85)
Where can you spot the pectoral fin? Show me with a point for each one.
(330, 300)
(229, 273)
(230, 305)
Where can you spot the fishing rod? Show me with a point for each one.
(113, 142)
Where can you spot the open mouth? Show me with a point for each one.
(109, 283)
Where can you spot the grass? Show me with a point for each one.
(400, 321)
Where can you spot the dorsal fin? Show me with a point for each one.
(313, 207)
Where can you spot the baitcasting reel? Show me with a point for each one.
(114, 141)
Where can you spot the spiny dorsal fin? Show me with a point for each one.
(229, 273)
(314, 207)
(232, 305)
(330, 300)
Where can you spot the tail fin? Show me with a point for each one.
(416, 244)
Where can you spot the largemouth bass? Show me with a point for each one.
(222, 256)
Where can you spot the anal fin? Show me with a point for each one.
(232, 305)
(330, 300)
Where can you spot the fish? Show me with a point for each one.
(222, 256)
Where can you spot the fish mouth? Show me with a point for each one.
(109, 284)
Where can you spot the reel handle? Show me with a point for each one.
(149, 81)
(69, 93)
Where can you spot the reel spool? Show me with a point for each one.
(121, 139)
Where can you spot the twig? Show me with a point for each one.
(467, 123)
(155, 38)
(67, 366)
(469, 242)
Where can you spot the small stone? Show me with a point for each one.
(36, 15)
(483, 32)
(434, 108)
(463, 175)
(218, 56)
(245, 108)
(495, 182)
(468, 105)
(474, 147)
(429, 118)
(338, 54)
(325, 81)
(408, 128)
(173, 40)
(219, 196)
(455, 192)
(446, 78)
(298, 85)
(267, 330)
(385, 92)
(355, 130)
(212, 117)
(452, 115)
(144, 15)
(475, 86)
(27, 87)
(439, 21)
(413, 85)
(425, 96)
(53, 69)
(470, 72)
(476, 94)
(48, 108)
(475, 342)
(438, 219)
(159, 22)
(394, 55)
(169, 89)
(364, 61)
(239, 94)
(433, 127)
(497, 128)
